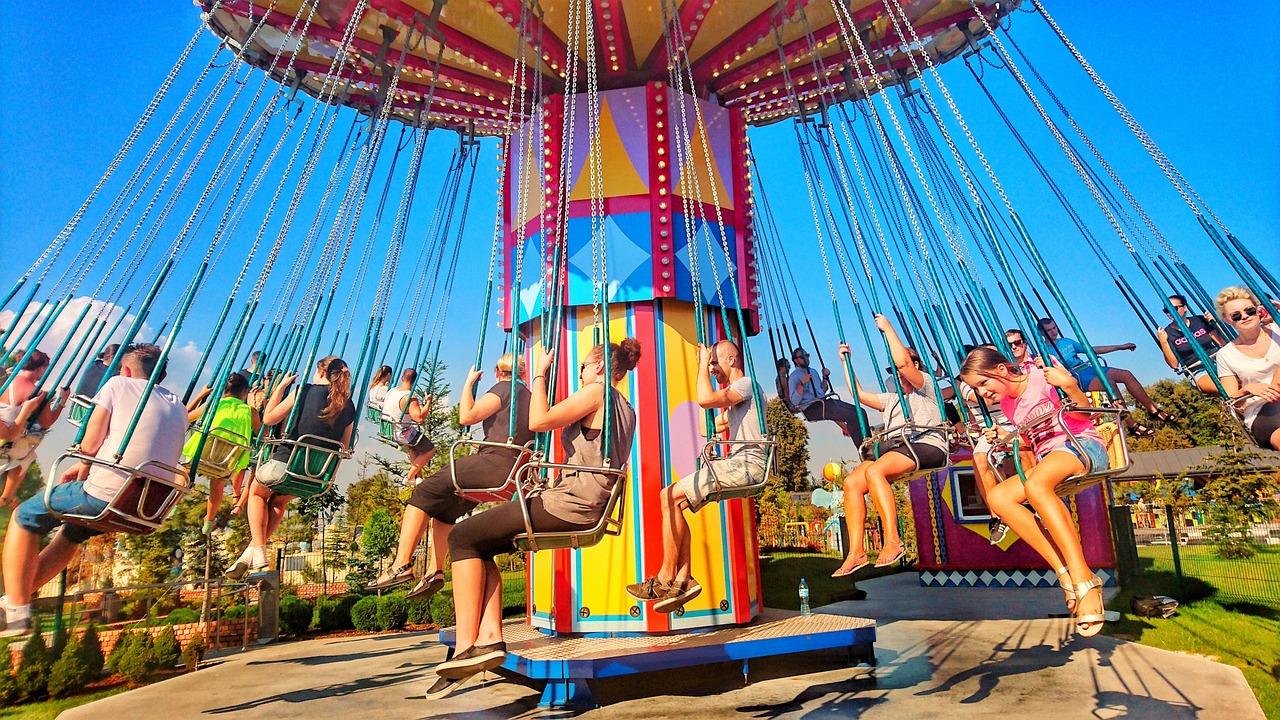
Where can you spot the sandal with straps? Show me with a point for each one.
(1068, 592)
(1091, 624)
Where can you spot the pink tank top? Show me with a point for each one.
(1037, 407)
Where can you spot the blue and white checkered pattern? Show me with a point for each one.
(1001, 578)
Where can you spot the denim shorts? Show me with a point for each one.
(1085, 376)
(1094, 453)
(66, 498)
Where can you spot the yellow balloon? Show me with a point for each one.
(833, 472)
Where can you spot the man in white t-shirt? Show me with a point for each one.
(86, 489)
(673, 586)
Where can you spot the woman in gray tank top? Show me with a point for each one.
(574, 502)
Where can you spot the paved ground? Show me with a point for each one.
(940, 655)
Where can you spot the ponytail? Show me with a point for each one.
(339, 377)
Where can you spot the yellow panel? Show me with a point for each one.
(700, 184)
(723, 20)
(819, 14)
(619, 175)
(644, 25)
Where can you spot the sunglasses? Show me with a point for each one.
(1017, 343)
(1239, 315)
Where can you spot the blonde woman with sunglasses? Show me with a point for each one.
(1249, 366)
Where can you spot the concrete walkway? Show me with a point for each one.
(940, 655)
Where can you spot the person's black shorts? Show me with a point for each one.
(422, 445)
(1266, 424)
(437, 497)
(490, 534)
(927, 456)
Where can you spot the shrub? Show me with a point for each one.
(8, 686)
(295, 615)
(32, 679)
(333, 613)
(364, 614)
(442, 609)
(419, 611)
(91, 647)
(70, 672)
(122, 643)
(193, 653)
(167, 649)
(182, 616)
(138, 659)
(235, 612)
(393, 611)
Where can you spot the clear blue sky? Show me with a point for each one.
(75, 84)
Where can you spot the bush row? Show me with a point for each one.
(63, 671)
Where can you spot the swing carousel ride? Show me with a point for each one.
(630, 204)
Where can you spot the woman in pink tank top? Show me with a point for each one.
(1030, 400)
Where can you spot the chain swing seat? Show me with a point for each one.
(505, 490)
(313, 462)
(224, 450)
(1109, 421)
(717, 451)
(141, 505)
(79, 408)
(1235, 410)
(532, 476)
(871, 446)
(373, 412)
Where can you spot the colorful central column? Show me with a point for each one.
(650, 285)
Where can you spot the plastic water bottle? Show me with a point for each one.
(804, 598)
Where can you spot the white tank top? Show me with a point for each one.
(391, 407)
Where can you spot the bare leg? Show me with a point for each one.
(216, 490)
(469, 578)
(1120, 376)
(257, 513)
(412, 525)
(1053, 469)
(1007, 500)
(1275, 440)
(890, 465)
(21, 550)
(275, 516)
(416, 463)
(1205, 383)
(491, 616)
(55, 558)
(855, 515)
(986, 477)
(439, 549)
(674, 530)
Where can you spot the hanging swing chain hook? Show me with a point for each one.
(976, 49)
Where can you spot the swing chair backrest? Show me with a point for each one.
(609, 523)
(313, 462)
(1235, 410)
(501, 492)
(79, 408)
(373, 412)
(143, 503)
(716, 450)
(223, 451)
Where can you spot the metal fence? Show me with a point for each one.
(1234, 550)
(829, 537)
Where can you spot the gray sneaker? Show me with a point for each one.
(998, 530)
(15, 627)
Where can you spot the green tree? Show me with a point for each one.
(1237, 493)
(379, 491)
(1198, 419)
(791, 459)
(30, 485)
(379, 537)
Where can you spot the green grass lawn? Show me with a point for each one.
(1255, 580)
(781, 573)
(1241, 634)
(50, 709)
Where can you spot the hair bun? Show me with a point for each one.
(630, 352)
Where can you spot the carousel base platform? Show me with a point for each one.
(568, 664)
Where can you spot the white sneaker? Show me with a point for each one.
(257, 557)
(15, 620)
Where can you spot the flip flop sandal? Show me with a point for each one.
(897, 558)
(865, 561)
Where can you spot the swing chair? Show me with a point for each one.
(1109, 422)
(871, 446)
(141, 505)
(717, 450)
(501, 492)
(310, 469)
(373, 413)
(538, 474)
(79, 408)
(223, 451)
